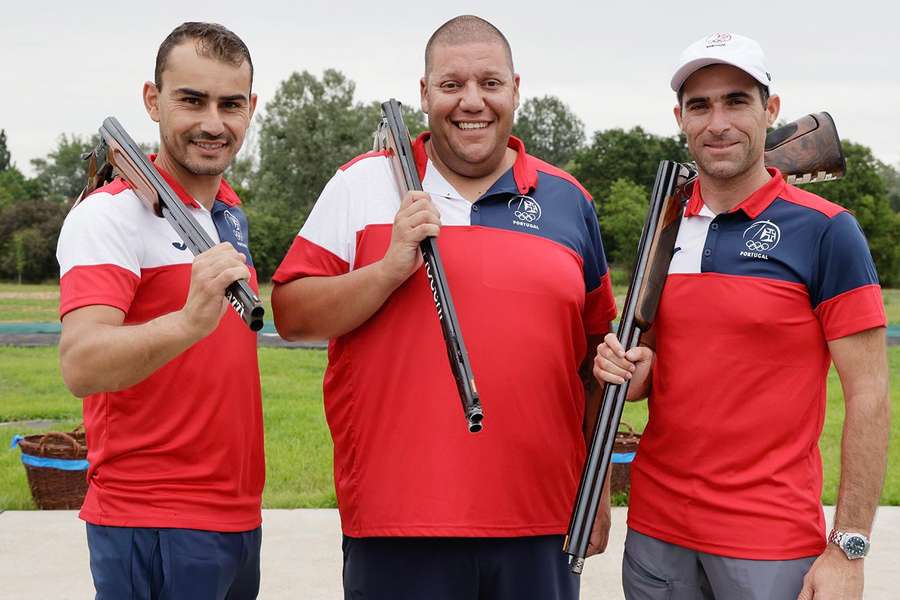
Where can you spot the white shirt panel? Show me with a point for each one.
(121, 230)
(341, 210)
(690, 242)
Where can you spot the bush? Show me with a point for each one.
(28, 235)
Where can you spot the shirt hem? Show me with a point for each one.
(461, 531)
(170, 522)
(759, 553)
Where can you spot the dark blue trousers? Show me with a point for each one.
(522, 568)
(138, 563)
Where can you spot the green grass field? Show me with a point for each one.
(298, 447)
(30, 302)
(40, 302)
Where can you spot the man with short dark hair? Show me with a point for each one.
(429, 510)
(769, 285)
(167, 369)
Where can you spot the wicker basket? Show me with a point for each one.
(625, 445)
(55, 464)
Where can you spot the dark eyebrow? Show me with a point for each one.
(696, 100)
(738, 95)
(191, 92)
(203, 95)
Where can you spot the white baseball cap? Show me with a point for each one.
(723, 48)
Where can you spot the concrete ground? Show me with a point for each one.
(43, 555)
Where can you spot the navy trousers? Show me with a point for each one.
(522, 568)
(138, 563)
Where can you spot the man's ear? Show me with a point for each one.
(677, 111)
(151, 100)
(773, 107)
(516, 81)
(423, 95)
(252, 105)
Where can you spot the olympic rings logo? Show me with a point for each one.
(757, 246)
(761, 236)
(527, 209)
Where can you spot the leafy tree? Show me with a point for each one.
(621, 220)
(63, 174)
(240, 176)
(270, 238)
(891, 177)
(310, 128)
(15, 187)
(27, 248)
(863, 191)
(550, 130)
(634, 154)
(4, 152)
(28, 234)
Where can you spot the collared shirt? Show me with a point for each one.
(529, 281)
(729, 462)
(184, 447)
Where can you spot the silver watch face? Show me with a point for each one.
(855, 546)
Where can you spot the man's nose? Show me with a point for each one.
(471, 100)
(212, 123)
(719, 121)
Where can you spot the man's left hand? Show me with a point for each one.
(600, 532)
(833, 577)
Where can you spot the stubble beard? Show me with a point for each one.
(725, 170)
(199, 168)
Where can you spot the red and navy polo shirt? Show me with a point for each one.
(184, 447)
(729, 462)
(529, 280)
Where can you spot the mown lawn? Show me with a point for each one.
(39, 302)
(298, 446)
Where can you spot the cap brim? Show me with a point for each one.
(689, 68)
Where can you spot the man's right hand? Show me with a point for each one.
(417, 219)
(211, 272)
(613, 365)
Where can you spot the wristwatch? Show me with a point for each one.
(855, 545)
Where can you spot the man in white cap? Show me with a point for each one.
(768, 285)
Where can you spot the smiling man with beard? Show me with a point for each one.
(168, 372)
(429, 510)
(771, 285)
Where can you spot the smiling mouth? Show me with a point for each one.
(469, 125)
(211, 146)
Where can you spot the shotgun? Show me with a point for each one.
(124, 155)
(392, 137)
(805, 151)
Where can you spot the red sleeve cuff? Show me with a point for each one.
(109, 285)
(306, 259)
(851, 312)
(599, 307)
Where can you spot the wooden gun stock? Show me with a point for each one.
(807, 150)
(124, 155)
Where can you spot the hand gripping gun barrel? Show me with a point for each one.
(805, 151)
(392, 138)
(117, 151)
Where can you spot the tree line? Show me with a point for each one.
(313, 124)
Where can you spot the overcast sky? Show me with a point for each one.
(67, 67)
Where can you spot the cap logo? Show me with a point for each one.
(719, 39)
